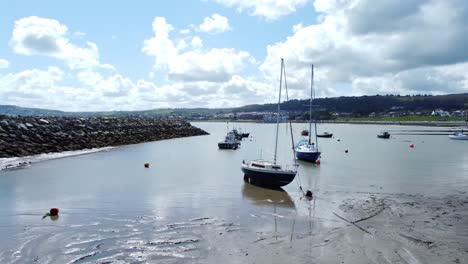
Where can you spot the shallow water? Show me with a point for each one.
(192, 205)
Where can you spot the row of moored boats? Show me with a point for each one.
(270, 173)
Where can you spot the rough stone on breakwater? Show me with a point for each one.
(24, 136)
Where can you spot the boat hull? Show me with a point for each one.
(383, 136)
(308, 156)
(457, 137)
(227, 145)
(325, 135)
(268, 179)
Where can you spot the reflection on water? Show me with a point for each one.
(267, 197)
(54, 217)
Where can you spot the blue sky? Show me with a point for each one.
(106, 56)
(120, 29)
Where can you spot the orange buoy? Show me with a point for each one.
(317, 162)
(411, 145)
(146, 164)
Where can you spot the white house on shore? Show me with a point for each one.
(440, 112)
(459, 113)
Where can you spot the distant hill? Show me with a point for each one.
(356, 105)
(368, 104)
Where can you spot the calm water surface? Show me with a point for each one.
(192, 205)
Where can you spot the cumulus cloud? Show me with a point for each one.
(268, 9)
(4, 64)
(387, 45)
(215, 24)
(185, 73)
(196, 64)
(44, 36)
(196, 42)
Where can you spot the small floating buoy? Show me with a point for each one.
(346, 151)
(411, 145)
(317, 162)
(309, 194)
(339, 140)
(146, 164)
(53, 213)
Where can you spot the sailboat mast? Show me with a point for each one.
(278, 114)
(310, 110)
(315, 112)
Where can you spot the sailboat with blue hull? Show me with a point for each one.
(306, 150)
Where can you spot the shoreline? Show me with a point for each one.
(369, 122)
(14, 163)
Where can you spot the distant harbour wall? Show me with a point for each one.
(25, 136)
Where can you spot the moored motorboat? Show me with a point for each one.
(229, 142)
(384, 135)
(459, 136)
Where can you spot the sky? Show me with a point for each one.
(135, 55)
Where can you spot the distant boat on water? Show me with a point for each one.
(306, 150)
(230, 141)
(459, 136)
(269, 173)
(384, 135)
(325, 135)
(305, 132)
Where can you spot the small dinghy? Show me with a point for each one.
(384, 135)
(325, 135)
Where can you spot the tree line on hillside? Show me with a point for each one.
(364, 105)
(353, 105)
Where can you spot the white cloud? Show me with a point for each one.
(268, 9)
(160, 45)
(215, 24)
(43, 36)
(382, 44)
(211, 65)
(185, 31)
(196, 42)
(215, 65)
(185, 74)
(4, 64)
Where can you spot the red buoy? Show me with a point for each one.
(317, 162)
(411, 145)
(53, 211)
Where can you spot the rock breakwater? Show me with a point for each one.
(24, 136)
